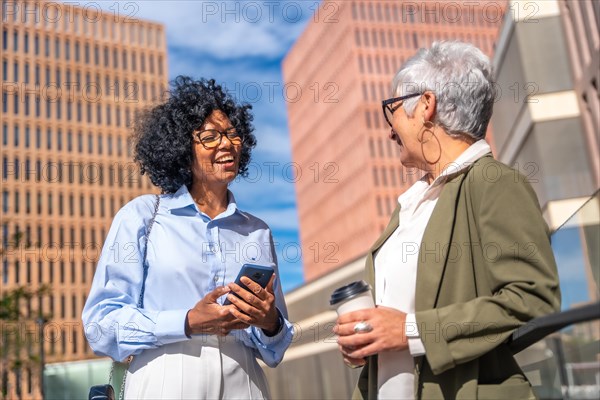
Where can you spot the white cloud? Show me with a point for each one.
(230, 30)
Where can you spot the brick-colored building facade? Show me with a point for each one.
(72, 79)
(344, 63)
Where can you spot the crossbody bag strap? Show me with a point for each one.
(140, 303)
(144, 264)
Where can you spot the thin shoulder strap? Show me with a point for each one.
(144, 264)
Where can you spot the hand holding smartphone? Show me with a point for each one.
(258, 273)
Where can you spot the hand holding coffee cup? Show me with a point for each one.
(353, 297)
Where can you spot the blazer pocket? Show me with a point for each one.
(506, 390)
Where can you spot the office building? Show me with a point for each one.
(72, 79)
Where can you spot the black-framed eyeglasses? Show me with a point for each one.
(388, 110)
(211, 138)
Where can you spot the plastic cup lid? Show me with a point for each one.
(351, 290)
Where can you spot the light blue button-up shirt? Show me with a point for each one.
(189, 255)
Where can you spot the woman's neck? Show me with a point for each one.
(210, 200)
(451, 149)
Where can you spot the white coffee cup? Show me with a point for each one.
(352, 297)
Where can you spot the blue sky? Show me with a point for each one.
(241, 45)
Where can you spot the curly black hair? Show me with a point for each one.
(162, 135)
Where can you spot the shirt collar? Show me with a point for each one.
(420, 189)
(182, 199)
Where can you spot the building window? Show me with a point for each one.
(39, 210)
(49, 213)
(16, 135)
(67, 49)
(27, 168)
(69, 141)
(28, 209)
(119, 146)
(109, 144)
(89, 112)
(16, 104)
(99, 115)
(16, 41)
(27, 102)
(26, 42)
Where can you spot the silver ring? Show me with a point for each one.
(362, 327)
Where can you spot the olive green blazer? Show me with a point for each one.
(485, 268)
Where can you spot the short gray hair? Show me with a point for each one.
(460, 75)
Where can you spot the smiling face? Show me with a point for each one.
(416, 142)
(218, 165)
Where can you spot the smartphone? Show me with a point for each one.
(258, 273)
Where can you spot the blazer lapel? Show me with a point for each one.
(389, 229)
(433, 253)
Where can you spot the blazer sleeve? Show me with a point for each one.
(516, 262)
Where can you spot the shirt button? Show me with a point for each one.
(216, 278)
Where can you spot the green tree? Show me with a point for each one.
(20, 335)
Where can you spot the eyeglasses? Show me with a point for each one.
(211, 138)
(388, 110)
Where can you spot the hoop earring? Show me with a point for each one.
(429, 128)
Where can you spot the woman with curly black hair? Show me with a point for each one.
(169, 261)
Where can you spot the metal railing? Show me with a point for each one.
(538, 328)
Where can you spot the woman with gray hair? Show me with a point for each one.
(466, 257)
